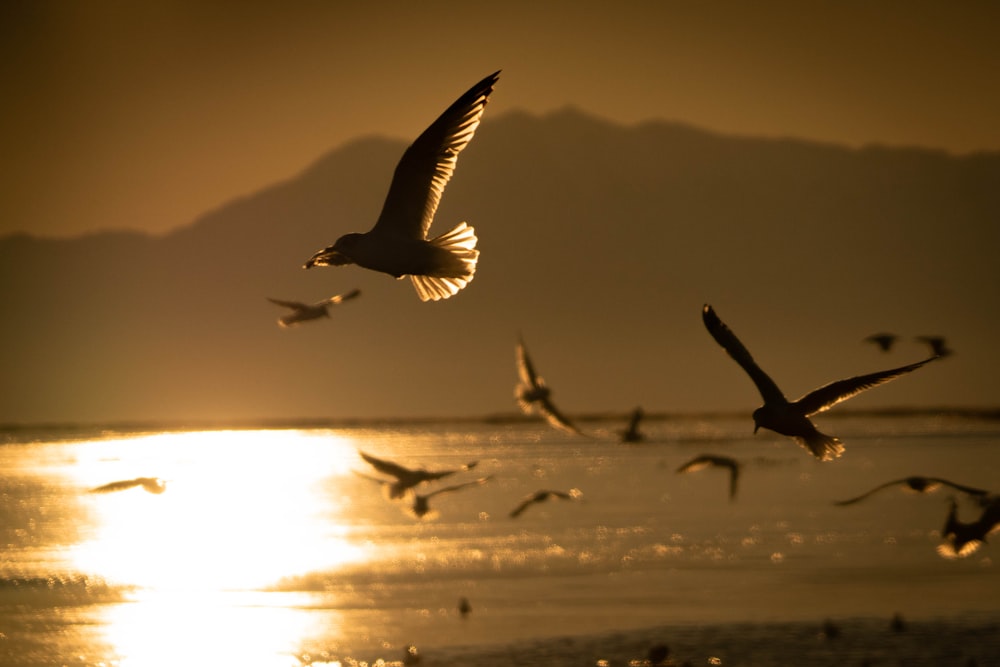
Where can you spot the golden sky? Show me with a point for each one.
(144, 115)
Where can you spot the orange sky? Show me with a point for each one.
(145, 115)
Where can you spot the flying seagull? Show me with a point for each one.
(631, 433)
(398, 243)
(303, 312)
(532, 394)
(963, 539)
(150, 484)
(407, 478)
(421, 502)
(883, 340)
(792, 418)
(938, 344)
(705, 460)
(541, 496)
(919, 485)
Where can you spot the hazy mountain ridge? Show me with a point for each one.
(600, 243)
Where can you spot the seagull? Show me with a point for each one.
(883, 340)
(407, 478)
(302, 312)
(938, 344)
(919, 485)
(705, 460)
(150, 484)
(963, 539)
(792, 418)
(532, 394)
(398, 243)
(631, 432)
(421, 502)
(541, 496)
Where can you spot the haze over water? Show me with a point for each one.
(267, 547)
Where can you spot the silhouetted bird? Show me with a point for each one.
(792, 418)
(897, 624)
(302, 312)
(963, 539)
(464, 607)
(407, 478)
(938, 344)
(883, 340)
(705, 460)
(421, 502)
(541, 496)
(631, 433)
(150, 484)
(532, 393)
(398, 243)
(917, 484)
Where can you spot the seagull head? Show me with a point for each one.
(338, 254)
(758, 416)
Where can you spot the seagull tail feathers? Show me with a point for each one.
(457, 271)
(824, 447)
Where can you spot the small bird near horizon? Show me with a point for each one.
(916, 484)
(407, 478)
(398, 244)
(938, 344)
(532, 394)
(705, 460)
(631, 433)
(541, 496)
(421, 502)
(792, 418)
(303, 312)
(884, 341)
(149, 484)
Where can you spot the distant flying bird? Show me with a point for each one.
(917, 484)
(883, 340)
(302, 312)
(792, 418)
(398, 243)
(150, 484)
(541, 496)
(631, 433)
(938, 344)
(532, 393)
(407, 478)
(963, 539)
(705, 460)
(421, 502)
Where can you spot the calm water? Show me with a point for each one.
(268, 547)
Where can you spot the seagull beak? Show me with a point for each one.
(327, 257)
(755, 427)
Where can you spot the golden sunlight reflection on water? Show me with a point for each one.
(242, 510)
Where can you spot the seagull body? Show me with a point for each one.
(938, 344)
(421, 502)
(150, 484)
(706, 460)
(541, 496)
(963, 539)
(792, 418)
(407, 478)
(532, 394)
(919, 485)
(632, 432)
(398, 244)
(883, 340)
(303, 312)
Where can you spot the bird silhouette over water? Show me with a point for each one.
(705, 460)
(303, 312)
(541, 496)
(533, 394)
(884, 341)
(421, 502)
(631, 433)
(398, 244)
(963, 539)
(407, 478)
(792, 418)
(150, 484)
(917, 484)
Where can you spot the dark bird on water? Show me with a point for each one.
(917, 484)
(150, 484)
(705, 460)
(631, 433)
(532, 394)
(421, 502)
(303, 312)
(792, 418)
(398, 243)
(407, 478)
(541, 496)
(883, 340)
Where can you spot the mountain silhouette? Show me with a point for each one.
(599, 241)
